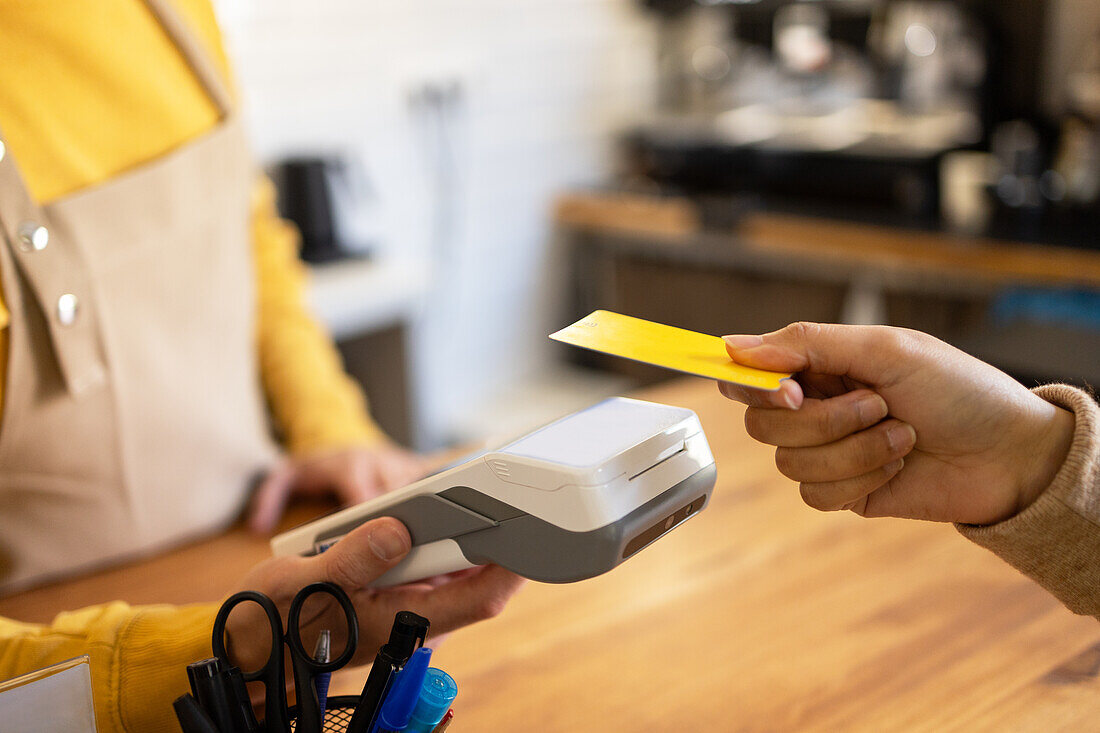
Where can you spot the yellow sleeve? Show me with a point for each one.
(315, 403)
(139, 657)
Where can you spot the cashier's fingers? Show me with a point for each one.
(398, 468)
(850, 493)
(818, 421)
(363, 555)
(355, 480)
(477, 595)
(353, 563)
(270, 498)
(848, 457)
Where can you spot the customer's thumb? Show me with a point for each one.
(365, 553)
(822, 348)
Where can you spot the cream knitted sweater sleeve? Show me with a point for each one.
(1056, 540)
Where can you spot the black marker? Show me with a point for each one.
(244, 719)
(211, 686)
(407, 634)
(192, 679)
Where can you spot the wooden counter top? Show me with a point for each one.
(760, 614)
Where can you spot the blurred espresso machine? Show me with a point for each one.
(897, 110)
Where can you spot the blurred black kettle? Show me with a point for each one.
(306, 188)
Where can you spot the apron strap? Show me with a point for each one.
(57, 276)
(194, 52)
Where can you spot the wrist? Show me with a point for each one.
(1044, 455)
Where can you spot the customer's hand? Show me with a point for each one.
(352, 563)
(892, 422)
(352, 475)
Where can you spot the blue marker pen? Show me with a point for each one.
(404, 692)
(436, 695)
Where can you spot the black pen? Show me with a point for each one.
(191, 717)
(385, 666)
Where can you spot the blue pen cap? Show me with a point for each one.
(436, 695)
(405, 691)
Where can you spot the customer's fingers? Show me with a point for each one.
(788, 396)
(855, 351)
(845, 494)
(849, 457)
(816, 422)
(821, 386)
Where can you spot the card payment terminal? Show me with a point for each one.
(568, 501)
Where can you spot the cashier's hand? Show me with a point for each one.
(450, 602)
(892, 422)
(352, 475)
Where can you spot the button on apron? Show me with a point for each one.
(33, 237)
(66, 309)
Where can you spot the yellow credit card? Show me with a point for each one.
(665, 346)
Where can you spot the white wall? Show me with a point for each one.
(543, 85)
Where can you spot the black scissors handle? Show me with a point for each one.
(272, 673)
(306, 668)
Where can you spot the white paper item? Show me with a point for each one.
(55, 699)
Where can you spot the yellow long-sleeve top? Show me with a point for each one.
(89, 90)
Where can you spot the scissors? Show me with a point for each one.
(305, 667)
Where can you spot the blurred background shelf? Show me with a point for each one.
(653, 257)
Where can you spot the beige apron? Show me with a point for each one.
(133, 416)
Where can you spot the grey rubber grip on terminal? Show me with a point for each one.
(491, 531)
(429, 517)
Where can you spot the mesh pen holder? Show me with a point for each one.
(338, 712)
